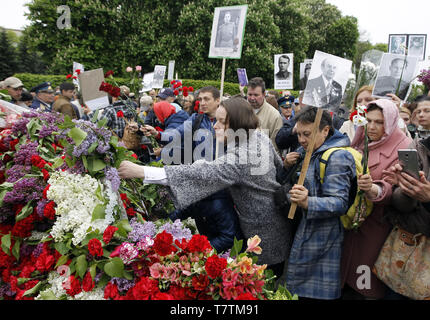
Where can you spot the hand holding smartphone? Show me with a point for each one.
(408, 159)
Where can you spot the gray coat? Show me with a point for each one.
(252, 191)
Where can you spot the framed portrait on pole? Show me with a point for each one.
(397, 43)
(283, 71)
(228, 30)
(417, 46)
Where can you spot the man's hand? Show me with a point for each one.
(157, 151)
(416, 189)
(299, 195)
(291, 159)
(149, 131)
(130, 170)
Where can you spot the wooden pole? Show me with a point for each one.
(307, 159)
(222, 79)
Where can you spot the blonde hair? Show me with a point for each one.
(362, 89)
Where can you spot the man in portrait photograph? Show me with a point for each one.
(390, 83)
(226, 32)
(283, 64)
(327, 90)
(398, 44)
(304, 80)
(416, 47)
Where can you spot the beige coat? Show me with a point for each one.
(270, 119)
(63, 105)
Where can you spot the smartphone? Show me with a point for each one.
(409, 161)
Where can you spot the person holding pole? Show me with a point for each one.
(313, 270)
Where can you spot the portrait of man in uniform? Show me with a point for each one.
(306, 71)
(417, 45)
(397, 44)
(227, 31)
(283, 64)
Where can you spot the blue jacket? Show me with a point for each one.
(175, 120)
(314, 262)
(37, 104)
(215, 218)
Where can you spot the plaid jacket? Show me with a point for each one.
(314, 262)
(117, 124)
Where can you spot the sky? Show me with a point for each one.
(377, 18)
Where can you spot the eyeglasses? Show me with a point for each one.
(17, 89)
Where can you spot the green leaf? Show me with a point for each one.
(57, 163)
(123, 227)
(48, 295)
(78, 135)
(95, 116)
(61, 261)
(5, 243)
(99, 212)
(140, 218)
(93, 270)
(61, 247)
(85, 162)
(114, 268)
(22, 280)
(25, 212)
(93, 147)
(98, 165)
(81, 265)
(5, 188)
(128, 275)
(67, 124)
(237, 247)
(33, 290)
(102, 123)
(15, 249)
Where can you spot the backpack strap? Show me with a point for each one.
(326, 155)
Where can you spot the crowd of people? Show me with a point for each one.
(313, 254)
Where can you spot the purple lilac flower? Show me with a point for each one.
(47, 131)
(177, 230)
(78, 168)
(38, 250)
(123, 284)
(113, 176)
(225, 255)
(25, 190)
(17, 172)
(98, 277)
(140, 231)
(41, 206)
(5, 290)
(20, 127)
(23, 155)
(82, 149)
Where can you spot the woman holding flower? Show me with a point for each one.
(361, 247)
(251, 183)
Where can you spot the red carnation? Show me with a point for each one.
(191, 89)
(185, 93)
(68, 76)
(72, 286)
(215, 265)
(95, 247)
(145, 288)
(75, 77)
(111, 291)
(45, 191)
(13, 143)
(185, 88)
(245, 296)
(159, 129)
(78, 71)
(115, 92)
(163, 244)
(37, 161)
(176, 92)
(200, 282)
(351, 117)
(23, 228)
(88, 283)
(120, 114)
(108, 74)
(163, 296)
(45, 174)
(134, 156)
(199, 243)
(131, 212)
(44, 262)
(108, 234)
(172, 82)
(49, 210)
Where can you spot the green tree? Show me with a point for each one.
(28, 61)
(8, 65)
(342, 37)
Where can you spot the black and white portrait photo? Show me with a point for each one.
(397, 43)
(159, 74)
(227, 32)
(327, 81)
(395, 75)
(148, 79)
(283, 71)
(417, 46)
(305, 70)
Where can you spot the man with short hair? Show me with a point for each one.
(304, 80)
(328, 91)
(44, 97)
(14, 87)
(390, 84)
(270, 119)
(63, 103)
(283, 64)
(314, 262)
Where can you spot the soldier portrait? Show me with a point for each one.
(417, 46)
(283, 71)
(397, 44)
(227, 30)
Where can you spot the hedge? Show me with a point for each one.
(32, 80)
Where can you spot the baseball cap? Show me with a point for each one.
(165, 92)
(12, 82)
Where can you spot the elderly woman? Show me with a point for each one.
(247, 169)
(361, 248)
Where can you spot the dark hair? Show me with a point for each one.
(26, 96)
(257, 82)
(421, 98)
(308, 115)
(373, 106)
(426, 99)
(240, 114)
(215, 92)
(65, 86)
(284, 56)
(275, 93)
(272, 101)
